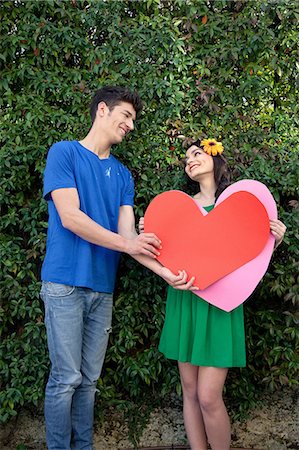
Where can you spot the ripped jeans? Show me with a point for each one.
(78, 323)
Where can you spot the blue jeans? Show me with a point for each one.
(78, 323)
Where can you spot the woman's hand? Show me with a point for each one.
(178, 281)
(141, 225)
(278, 230)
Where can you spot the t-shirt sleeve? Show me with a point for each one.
(59, 172)
(128, 193)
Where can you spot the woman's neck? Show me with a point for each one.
(206, 195)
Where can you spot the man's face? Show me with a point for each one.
(119, 121)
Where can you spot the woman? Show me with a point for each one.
(204, 339)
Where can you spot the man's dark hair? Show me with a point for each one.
(113, 96)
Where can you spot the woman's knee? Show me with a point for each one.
(209, 401)
(189, 374)
(189, 390)
(210, 388)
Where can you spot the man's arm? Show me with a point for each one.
(126, 228)
(67, 203)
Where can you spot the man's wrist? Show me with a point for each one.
(124, 244)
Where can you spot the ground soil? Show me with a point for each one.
(273, 426)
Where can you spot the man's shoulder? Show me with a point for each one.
(62, 149)
(63, 145)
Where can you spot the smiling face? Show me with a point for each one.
(198, 163)
(121, 121)
(116, 122)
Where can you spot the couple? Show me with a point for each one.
(90, 197)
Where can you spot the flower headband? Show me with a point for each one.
(212, 147)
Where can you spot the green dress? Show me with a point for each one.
(202, 334)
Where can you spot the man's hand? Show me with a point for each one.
(178, 281)
(278, 230)
(144, 244)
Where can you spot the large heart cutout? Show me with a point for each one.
(209, 246)
(231, 247)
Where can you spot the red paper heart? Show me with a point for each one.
(207, 246)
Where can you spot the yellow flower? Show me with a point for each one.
(212, 147)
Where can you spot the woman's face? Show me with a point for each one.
(198, 163)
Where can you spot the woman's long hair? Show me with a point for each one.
(221, 171)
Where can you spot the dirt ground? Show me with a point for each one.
(274, 426)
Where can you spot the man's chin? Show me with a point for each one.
(117, 140)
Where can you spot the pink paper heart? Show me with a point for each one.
(233, 289)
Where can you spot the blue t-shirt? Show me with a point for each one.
(103, 186)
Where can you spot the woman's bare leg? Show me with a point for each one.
(192, 413)
(217, 424)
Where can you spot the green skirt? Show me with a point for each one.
(196, 332)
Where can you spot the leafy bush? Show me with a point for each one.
(220, 69)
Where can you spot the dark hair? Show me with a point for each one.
(112, 96)
(221, 171)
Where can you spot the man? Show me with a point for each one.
(90, 203)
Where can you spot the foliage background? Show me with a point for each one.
(223, 69)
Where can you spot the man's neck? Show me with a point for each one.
(96, 144)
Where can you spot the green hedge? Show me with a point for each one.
(223, 69)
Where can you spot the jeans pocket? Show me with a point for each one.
(56, 289)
